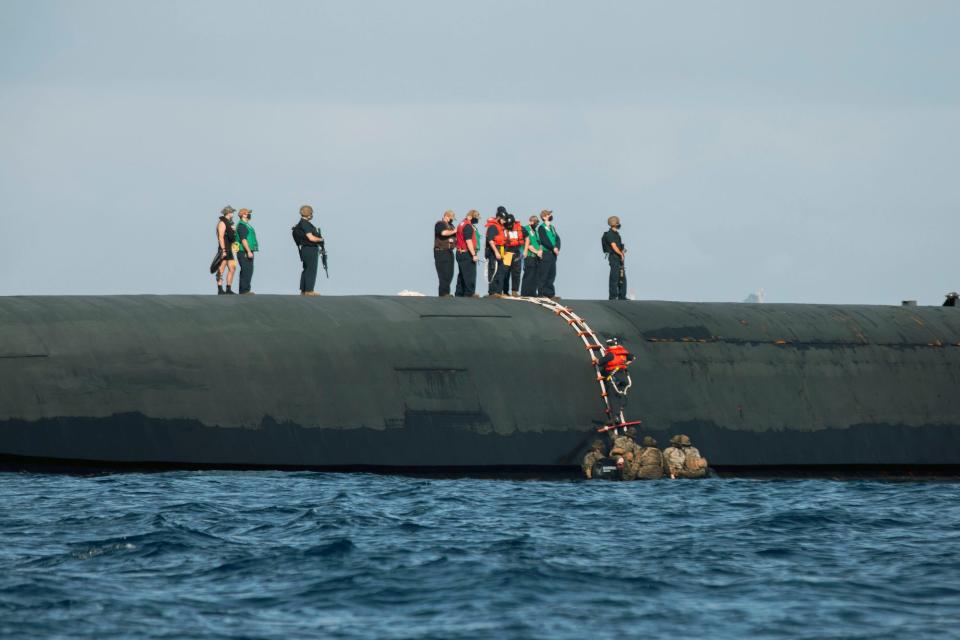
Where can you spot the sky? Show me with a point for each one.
(806, 148)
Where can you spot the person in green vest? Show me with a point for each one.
(532, 254)
(550, 242)
(247, 238)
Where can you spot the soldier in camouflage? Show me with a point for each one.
(595, 454)
(649, 462)
(674, 458)
(694, 465)
(625, 447)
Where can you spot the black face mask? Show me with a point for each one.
(476, 220)
(533, 225)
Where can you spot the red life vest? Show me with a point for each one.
(619, 361)
(462, 234)
(514, 236)
(500, 239)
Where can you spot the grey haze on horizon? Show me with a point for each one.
(808, 148)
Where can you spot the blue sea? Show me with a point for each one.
(295, 555)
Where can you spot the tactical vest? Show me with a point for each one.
(534, 237)
(444, 243)
(693, 461)
(251, 236)
(514, 236)
(607, 248)
(229, 233)
(675, 458)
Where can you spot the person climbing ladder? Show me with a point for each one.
(613, 366)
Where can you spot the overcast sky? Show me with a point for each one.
(808, 148)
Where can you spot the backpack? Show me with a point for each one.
(299, 236)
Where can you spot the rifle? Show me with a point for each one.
(323, 258)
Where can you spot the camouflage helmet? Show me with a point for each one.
(684, 440)
(648, 441)
(675, 440)
(630, 432)
(597, 445)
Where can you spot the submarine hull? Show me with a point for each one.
(425, 383)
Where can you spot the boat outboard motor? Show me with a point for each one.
(606, 469)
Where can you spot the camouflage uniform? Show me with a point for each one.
(694, 465)
(595, 453)
(674, 459)
(649, 462)
(624, 446)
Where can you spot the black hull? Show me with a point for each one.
(471, 386)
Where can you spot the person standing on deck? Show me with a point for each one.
(532, 253)
(467, 246)
(444, 242)
(616, 256)
(550, 241)
(226, 240)
(308, 239)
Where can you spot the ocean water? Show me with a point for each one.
(295, 555)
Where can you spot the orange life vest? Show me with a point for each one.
(514, 236)
(619, 361)
(500, 239)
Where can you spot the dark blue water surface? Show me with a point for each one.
(291, 555)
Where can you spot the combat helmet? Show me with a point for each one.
(648, 441)
(675, 441)
(597, 445)
(630, 432)
(684, 440)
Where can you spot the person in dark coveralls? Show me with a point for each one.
(513, 245)
(532, 253)
(226, 240)
(550, 242)
(247, 238)
(494, 249)
(595, 454)
(308, 241)
(467, 238)
(616, 256)
(444, 242)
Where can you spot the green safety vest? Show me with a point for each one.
(251, 237)
(551, 234)
(534, 238)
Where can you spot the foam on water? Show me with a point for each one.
(281, 555)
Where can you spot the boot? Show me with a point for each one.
(219, 289)
(229, 291)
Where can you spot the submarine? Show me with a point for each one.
(493, 386)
